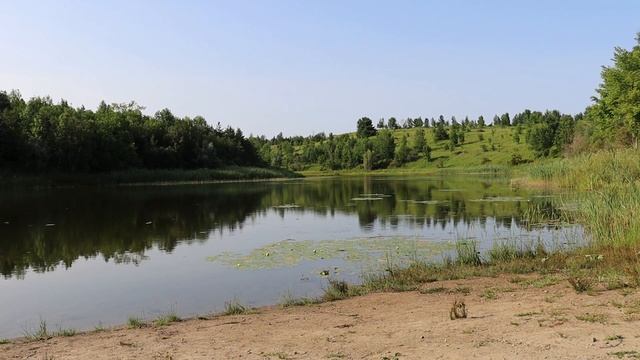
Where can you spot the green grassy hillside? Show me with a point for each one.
(488, 146)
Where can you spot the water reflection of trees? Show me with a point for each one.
(122, 223)
(425, 202)
(43, 229)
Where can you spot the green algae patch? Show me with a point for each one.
(289, 253)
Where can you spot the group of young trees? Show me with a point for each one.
(39, 135)
(370, 148)
(409, 123)
(546, 133)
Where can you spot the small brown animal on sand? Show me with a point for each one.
(458, 310)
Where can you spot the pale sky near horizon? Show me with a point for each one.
(301, 67)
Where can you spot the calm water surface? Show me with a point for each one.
(79, 257)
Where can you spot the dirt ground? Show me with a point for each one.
(509, 317)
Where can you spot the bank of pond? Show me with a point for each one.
(142, 251)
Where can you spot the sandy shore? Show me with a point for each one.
(531, 318)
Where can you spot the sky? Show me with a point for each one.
(305, 66)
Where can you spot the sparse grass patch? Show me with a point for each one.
(278, 355)
(134, 322)
(433, 290)
(464, 290)
(66, 332)
(489, 294)
(336, 356)
(234, 307)
(593, 318)
(614, 279)
(552, 298)
(4, 341)
(395, 356)
(506, 251)
(289, 300)
(467, 252)
(166, 319)
(528, 314)
(626, 291)
(632, 310)
(337, 290)
(614, 337)
(616, 304)
(41, 333)
(631, 354)
(581, 283)
(543, 281)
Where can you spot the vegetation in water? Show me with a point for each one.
(141, 218)
(234, 307)
(366, 250)
(607, 186)
(40, 333)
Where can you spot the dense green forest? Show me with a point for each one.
(40, 136)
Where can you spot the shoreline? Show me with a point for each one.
(527, 316)
(140, 177)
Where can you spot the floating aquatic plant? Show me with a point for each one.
(287, 206)
(500, 199)
(291, 252)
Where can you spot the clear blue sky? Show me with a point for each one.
(307, 66)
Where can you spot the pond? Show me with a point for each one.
(82, 256)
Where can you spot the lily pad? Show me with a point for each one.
(501, 199)
(287, 206)
(288, 253)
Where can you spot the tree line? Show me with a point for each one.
(547, 134)
(613, 120)
(39, 135)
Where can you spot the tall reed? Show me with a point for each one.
(607, 186)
